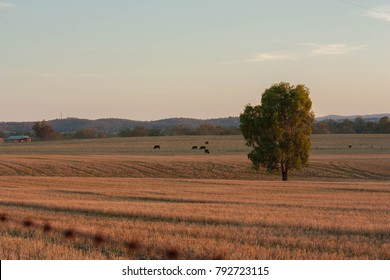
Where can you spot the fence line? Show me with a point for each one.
(97, 239)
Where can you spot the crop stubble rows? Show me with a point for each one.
(214, 167)
(201, 218)
(201, 206)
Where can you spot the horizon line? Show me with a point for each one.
(212, 118)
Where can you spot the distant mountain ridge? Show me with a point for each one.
(371, 117)
(113, 125)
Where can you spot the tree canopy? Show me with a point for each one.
(279, 129)
(43, 130)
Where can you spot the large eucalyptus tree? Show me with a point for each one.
(279, 129)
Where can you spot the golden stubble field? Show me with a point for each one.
(119, 199)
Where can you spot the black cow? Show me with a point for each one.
(194, 148)
(350, 146)
(206, 142)
(202, 147)
(206, 151)
(156, 147)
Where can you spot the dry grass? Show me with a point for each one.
(190, 205)
(181, 145)
(200, 218)
(235, 167)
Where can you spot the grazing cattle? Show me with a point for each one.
(194, 148)
(350, 146)
(156, 147)
(206, 151)
(202, 147)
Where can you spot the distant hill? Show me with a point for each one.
(372, 117)
(113, 125)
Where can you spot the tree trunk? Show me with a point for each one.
(284, 175)
(284, 169)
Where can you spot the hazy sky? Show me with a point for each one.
(149, 59)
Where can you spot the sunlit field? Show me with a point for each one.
(120, 199)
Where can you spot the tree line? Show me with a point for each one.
(347, 126)
(204, 129)
(44, 131)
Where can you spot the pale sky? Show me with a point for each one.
(149, 59)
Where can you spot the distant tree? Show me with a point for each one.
(125, 132)
(279, 128)
(182, 130)
(208, 129)
(43, 130)
(102, 134)
(154, 131)
(384, 125)
(68, 135)
(139, 131)
(346, 126)
(333, 126)
(321, 127)
(359, 125)
(231, 131)
(384, 120)
(86, 133)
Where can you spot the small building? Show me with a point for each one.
(18, 139)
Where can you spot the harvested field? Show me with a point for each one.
(362, 144)
(178, 203)
(322, 167)
(234, 219)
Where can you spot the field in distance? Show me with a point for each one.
(331, 158)
(181, 145)
(119, 199)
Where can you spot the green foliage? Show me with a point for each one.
(44, 131)
(89, 133)
(154, 131)
(138, 131)
(279, 129)
(347, 126)
(204, 129)
(384, 125)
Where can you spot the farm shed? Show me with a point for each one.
(18, 139)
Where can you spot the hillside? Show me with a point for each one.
(113, 125)
(372, 117)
